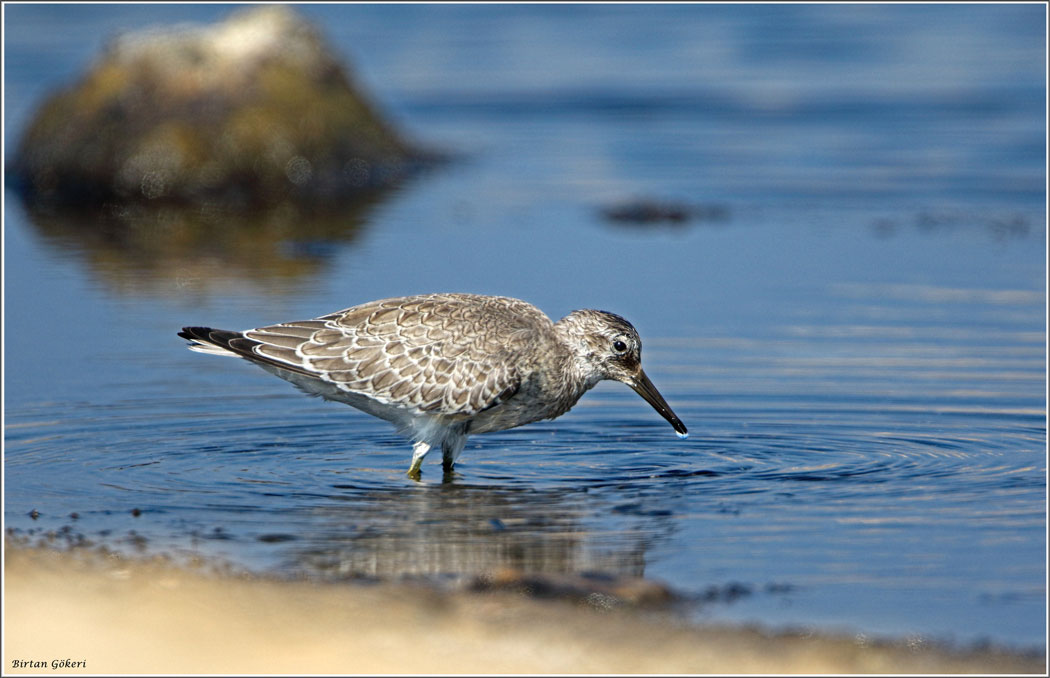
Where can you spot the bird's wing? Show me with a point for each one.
(436, 352)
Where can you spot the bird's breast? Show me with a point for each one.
(540, 396)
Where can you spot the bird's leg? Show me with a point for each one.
(451, 446)
(419, 450)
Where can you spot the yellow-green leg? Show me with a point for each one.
(419, 450)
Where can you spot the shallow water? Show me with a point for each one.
(857, 346)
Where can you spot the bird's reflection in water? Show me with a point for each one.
(457, 531)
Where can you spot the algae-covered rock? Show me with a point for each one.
(255, 110)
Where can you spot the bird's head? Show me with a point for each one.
(606, 346)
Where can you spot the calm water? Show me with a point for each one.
(858, 347)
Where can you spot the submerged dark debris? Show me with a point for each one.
(648, 211)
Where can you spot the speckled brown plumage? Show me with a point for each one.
(442, 366)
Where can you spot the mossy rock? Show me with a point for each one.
(253, 111)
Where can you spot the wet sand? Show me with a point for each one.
(120, 616)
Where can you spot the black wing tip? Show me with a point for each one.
(209, 335)
(199, 333)
(238, 344)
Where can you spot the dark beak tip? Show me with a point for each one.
(645, 388)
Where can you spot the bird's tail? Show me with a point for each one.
(208, 340)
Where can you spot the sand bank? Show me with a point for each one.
(119, 616)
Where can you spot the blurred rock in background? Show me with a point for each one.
(248, 113)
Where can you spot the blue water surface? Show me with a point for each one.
(856, 337)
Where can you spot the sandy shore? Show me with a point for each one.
(119, 616)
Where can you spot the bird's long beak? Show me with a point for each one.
(643, 387)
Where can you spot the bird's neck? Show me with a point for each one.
(579, 362)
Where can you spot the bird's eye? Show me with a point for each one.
(619, 346)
